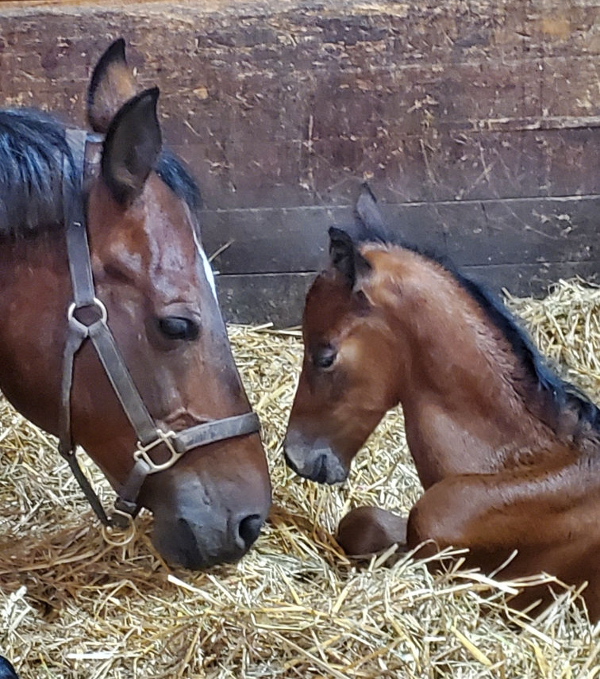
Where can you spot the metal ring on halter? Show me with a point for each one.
(82, 327)
(165, 437)
(120, 519)
(128, 532)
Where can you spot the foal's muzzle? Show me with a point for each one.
(314, 460)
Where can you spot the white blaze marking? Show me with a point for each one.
(206, 264)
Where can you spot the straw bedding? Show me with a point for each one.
(74, 605)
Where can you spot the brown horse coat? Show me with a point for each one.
(508, 454)
(152, 275)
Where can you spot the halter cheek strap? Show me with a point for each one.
(149, 435)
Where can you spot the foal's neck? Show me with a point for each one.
(469, 402)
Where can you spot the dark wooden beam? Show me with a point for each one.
(279, 298)
(476, 124)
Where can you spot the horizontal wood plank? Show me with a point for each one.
(431, 102)
(279, 298)
(468, 232)
(260, 298)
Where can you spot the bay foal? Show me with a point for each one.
(508, 454)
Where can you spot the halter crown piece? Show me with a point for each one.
(149, 435)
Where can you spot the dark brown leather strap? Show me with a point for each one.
(122, 382)
(72, 346)
(76, 232)
(217, 430)
(127, 500)
(73, 216)
(88, 491)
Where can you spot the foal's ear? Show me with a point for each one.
(345, 257)
(112, 84)
(367, 210)
(131, 148)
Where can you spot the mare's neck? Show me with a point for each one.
(34, 292)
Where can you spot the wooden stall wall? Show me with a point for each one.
(475, 122)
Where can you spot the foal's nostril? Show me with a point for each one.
(320, 469)
(249, 529)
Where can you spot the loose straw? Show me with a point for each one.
(73, 606)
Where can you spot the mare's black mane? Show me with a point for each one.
(32, 152)
(560, 392)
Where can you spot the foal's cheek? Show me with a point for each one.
(350, 354)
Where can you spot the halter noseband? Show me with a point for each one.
(149, 435)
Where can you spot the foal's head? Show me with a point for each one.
(153, 277)
(351, 368)
(385, 324)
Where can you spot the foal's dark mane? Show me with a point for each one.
(32, 150)
(560, 393)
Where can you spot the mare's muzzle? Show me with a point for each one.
(201, 520)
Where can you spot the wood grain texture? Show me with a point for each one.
(254, 298)
(476, 123)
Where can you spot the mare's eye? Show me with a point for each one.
(324, 357)
(178, 328)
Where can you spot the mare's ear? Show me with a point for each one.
(131, 148)
(112, 84)
(367, 210)
(346, 258)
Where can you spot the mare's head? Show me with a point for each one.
(152, 275)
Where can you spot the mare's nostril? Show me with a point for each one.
(189, 554)
(249, 529)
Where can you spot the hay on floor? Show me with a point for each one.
(73, 605)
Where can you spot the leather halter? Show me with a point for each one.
(149, 435)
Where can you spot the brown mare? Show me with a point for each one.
(508, 454)
(152, 277)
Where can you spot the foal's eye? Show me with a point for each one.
(324, 357)
(178, 328)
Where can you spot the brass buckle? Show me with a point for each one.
(166, 437)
